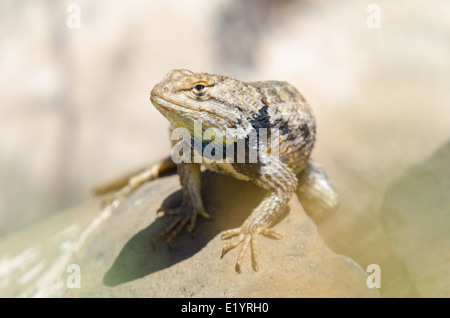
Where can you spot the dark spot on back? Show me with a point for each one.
(262, 120)
(304, 130)
(283, 126)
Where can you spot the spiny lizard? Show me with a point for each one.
(224, 103)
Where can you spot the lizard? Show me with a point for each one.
(227, 104)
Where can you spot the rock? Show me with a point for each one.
(113, 255)
(416, 214)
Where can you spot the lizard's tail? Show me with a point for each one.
(116, 184)
(154, 171)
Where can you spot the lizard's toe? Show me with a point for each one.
(168, 211)
(246, 237)
(183, 216)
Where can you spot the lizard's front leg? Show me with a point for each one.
(191, 205)
(282, 183)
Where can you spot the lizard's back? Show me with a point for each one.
(290, 113)
(221, 102)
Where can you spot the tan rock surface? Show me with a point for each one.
(116, 258)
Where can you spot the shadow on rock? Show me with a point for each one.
(227, 200)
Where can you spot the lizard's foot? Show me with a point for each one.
(182, 215)
(246, 236)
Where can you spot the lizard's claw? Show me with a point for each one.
(182, 215)
(246, 236)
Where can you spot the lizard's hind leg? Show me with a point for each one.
(315, 192)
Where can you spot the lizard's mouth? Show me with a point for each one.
(171, 105)
(168, 103)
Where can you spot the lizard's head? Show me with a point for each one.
(216, 100)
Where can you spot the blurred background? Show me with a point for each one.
(75, 109)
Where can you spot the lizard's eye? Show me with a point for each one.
(200, 90)
(199, 87)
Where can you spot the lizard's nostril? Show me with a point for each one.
(160, 89)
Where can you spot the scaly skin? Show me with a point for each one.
(224, 103)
